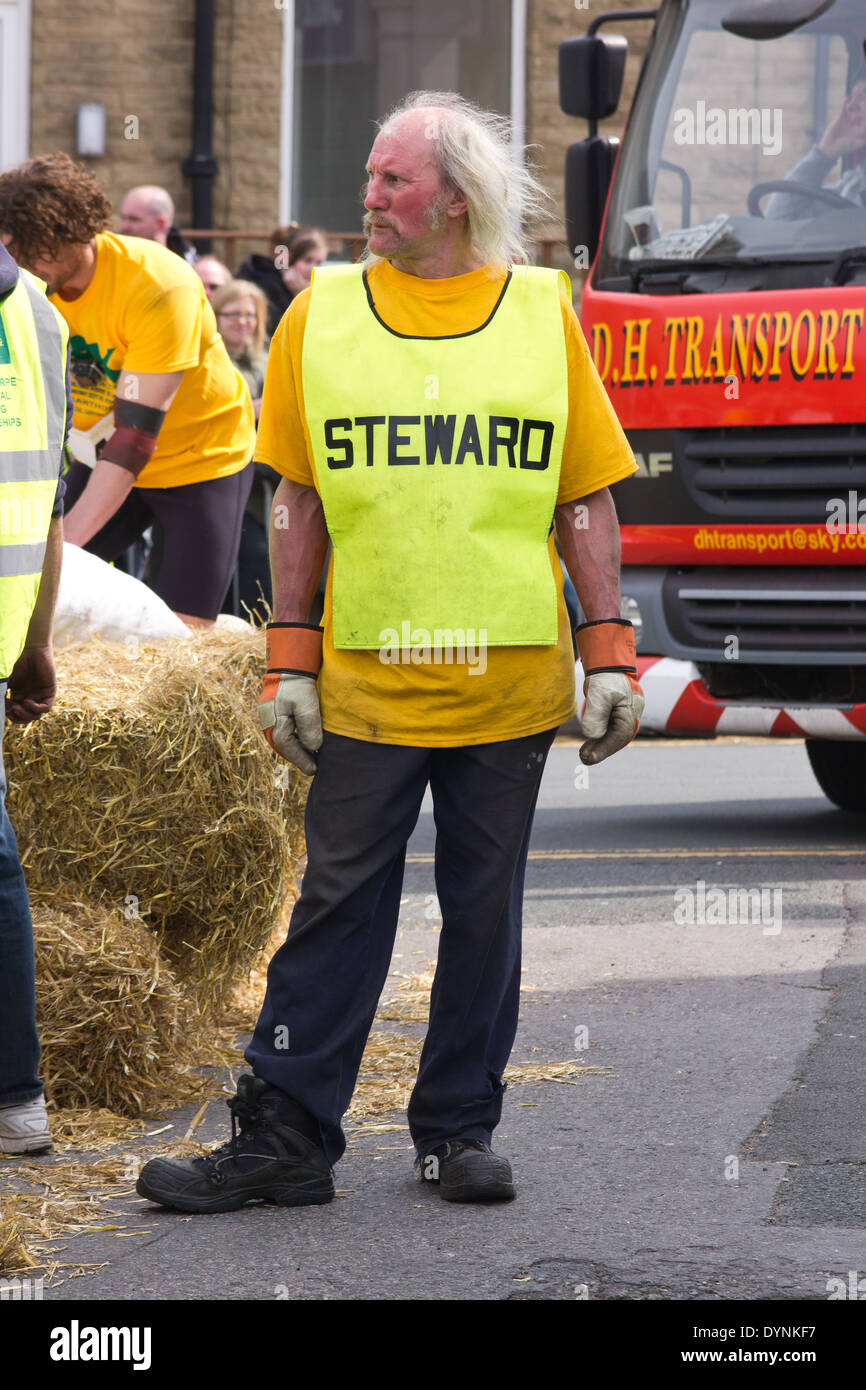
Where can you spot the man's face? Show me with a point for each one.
(56, 269)
(212, 274)
(137, 219)
(404, 193)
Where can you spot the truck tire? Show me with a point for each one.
(840, 768)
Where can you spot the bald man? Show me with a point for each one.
(148, 211)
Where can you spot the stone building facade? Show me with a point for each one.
(296, 85)
(137, 60)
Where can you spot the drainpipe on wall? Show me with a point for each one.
(200, 165)
(518, 74)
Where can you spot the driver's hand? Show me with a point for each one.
(848, 131)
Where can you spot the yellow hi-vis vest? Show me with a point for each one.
(33, 342)
(437, 461)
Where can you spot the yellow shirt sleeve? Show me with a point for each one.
(164, 331)
(596, 452)
(282, 439)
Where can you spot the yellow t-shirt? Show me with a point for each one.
(523, 690)
(145, 310)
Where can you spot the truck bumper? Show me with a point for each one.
(677, 702)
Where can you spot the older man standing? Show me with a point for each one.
(432, 412)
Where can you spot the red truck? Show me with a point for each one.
(726, 311)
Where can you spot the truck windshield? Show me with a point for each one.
(744, 150)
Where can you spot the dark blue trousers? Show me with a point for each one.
(19, 1044)
(324, 982)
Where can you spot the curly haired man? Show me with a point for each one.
(163, 431)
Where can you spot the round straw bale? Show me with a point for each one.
(149, 788)
(115, 1027)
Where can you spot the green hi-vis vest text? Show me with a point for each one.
(32, 429)
(438, 461)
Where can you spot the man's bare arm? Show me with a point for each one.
(298, 545)
(588, 533)
(41, 629)
(32, 683)
(140, 406)
(106, 491)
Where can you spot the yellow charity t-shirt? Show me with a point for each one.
(500, 693)
(145, 310)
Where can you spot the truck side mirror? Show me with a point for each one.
(588, 171)
(591, 70)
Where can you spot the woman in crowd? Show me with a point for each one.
(295, 252)
(241, 313)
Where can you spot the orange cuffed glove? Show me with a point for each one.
(289, 710)
(614, 699)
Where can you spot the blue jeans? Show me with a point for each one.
(19, 1043)
(324, 982)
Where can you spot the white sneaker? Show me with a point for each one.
(24, 1128)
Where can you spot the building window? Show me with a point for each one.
(354, 59)
(14, 81)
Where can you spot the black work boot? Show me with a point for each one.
(467, 1170)
(271, 1160)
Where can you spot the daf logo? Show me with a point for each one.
(658, 464)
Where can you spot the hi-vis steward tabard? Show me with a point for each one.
(437, 461)
(33, 341)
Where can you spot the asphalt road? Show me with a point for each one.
(721, 1153)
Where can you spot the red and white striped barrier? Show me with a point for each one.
(677, 701)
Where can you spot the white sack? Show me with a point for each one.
(97, 598)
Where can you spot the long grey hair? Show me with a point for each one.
(476, 157)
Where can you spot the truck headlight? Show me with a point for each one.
(630, 608)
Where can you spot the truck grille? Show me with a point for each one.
(771, 474)
(771, 610)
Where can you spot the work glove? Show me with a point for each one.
(289, 710)
(614, 699)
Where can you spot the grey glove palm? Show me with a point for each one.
(295, 719)
(614, 705)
